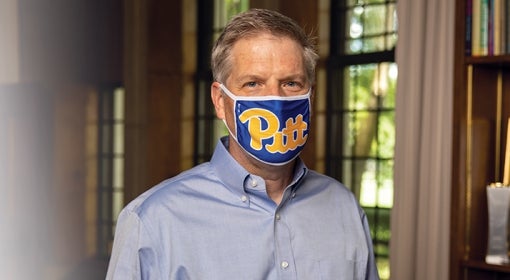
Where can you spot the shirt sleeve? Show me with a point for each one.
(124, 262)
(372, 273)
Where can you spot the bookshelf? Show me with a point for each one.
(480, 113)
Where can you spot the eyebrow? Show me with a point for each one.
(252, 77)
(295, 77)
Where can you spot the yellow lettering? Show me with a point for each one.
(255, 117)
(291, 136)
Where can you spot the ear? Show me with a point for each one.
(218, 100)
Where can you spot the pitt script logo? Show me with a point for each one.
(289, 138)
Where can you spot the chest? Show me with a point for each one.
(250, 242)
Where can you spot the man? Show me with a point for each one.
(254, 211)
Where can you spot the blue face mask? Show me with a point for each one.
(272, 129)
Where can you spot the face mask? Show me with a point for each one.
(272, 129)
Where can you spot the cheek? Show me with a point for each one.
(229, 114)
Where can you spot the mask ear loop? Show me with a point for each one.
(232, 97)
(229, 131)
(228, 92)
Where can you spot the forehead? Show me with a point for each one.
(253, 41)
(268, 50)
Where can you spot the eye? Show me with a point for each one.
(293, 85)
(250, 84)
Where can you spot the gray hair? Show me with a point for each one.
(254, 22)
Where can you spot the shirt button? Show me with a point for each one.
(284, 265)
(254, 183)
(244, 198)
(293, 195)
(277, 217)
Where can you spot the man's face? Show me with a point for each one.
(266, 65)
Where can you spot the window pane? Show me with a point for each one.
(359, 81)
(385, 184)
(374, 19)
(370, 86)
(224, 10)
(368, 192)
(389, 75)
(353, 170)
(371, 26)
(360, 129)
(111, 165)
(118, 203)
(379, 221)
(118, 104)
(386, 135)
(208, 128)
(118, 172)
(377, 184)
(118, 138)
(361, 105)
(358, 2)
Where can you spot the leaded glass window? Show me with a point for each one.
(362, 76)
(213, 16)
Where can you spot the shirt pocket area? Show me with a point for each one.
(341, 269)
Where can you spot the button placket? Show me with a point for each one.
(284, 251)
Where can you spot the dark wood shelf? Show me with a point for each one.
(504, 268)
(492, 60)
(481, 106)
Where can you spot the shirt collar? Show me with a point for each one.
(300, 171)
(233, 175)
(230, 172)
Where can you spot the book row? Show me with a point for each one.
(487, 27)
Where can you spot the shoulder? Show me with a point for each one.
(315, 182)
(316, 178)
(173, 190)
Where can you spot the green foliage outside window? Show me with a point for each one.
(363, 113)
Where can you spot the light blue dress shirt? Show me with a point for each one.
(216, 221)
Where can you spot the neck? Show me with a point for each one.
(277, 178)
